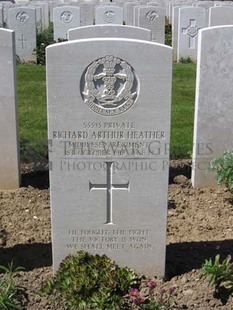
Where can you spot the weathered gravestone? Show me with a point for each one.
(115, 31)
(109, 126)
(190, 21)
(9, 155)
(108, 14)
(65, 18)
(213, 107)
(23, 21)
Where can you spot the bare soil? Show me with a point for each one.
(200, 225)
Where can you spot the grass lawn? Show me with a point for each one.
(183, 99)
(33, 114)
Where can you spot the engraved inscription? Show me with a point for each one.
(109, 86)
(192, 32)
(109, 17)
(22, 17)
(151, 16)
(109, 187)
(66, 17)
(116, 239)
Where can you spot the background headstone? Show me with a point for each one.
(114, 31)
(109, 166)
(213, 107)
(108, 14)
(129, 12)
(1, 16)
(23, 21)
(45, 12)
(9, 154)
(86, 14)
(219, 16)
(65, 18)
(153, 18)
(6, 5)
(191, 19)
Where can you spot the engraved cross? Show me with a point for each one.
(23, 40)
(109, 187)
(191, 31)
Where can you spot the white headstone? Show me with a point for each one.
(153, 18)
(219, 16)
(6, 5)
(9, 155)
(129, 12)
(45, 12)
(213, 107)
(108, 14)
(109, 123)
(175, 22)
(191, 19)
(136, 14)
(1, 16)
(23, 21)
(205, 4)
(86, 14)
(52, 5)
(65, 18)
(114, 31)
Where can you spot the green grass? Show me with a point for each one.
(33, 115)
(32, 102)
(183, 99)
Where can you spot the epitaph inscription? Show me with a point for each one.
(109, 86)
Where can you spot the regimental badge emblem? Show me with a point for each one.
(22, 17)
(151, 16)
(109, 17)
(66, 17)
(109, 86)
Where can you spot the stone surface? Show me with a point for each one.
(108, 14)
(23, 21)
(115, 31)
(9, 155)
(109, 124)
(213, 106)
(220, 16)
(65, 18)
(190, 21)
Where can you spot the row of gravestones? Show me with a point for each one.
(109, 139)
(26, 21)
(186, 18)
